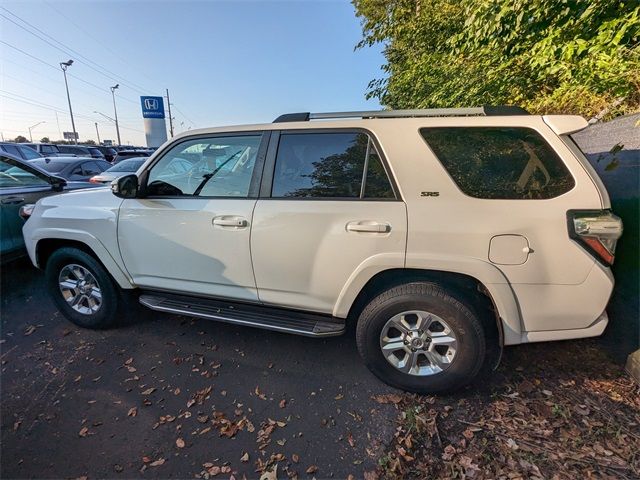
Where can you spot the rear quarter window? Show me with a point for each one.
(509, 163)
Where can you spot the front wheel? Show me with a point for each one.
(82, 289)
(421, 338)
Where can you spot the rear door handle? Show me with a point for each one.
(230, 221)
(12, 200)
(369, 227)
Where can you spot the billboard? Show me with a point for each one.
(70, 136)
(155, 128)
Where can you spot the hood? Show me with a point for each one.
(98, 197)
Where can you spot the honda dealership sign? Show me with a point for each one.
(155, 128)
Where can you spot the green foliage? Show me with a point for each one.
(45, 140)
(561, 56)
(20, 139)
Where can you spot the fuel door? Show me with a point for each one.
(509, 250)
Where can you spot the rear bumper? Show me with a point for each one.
(593, 330)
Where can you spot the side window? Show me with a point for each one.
(49, 149)
(91, 168)
(500, 162)
(328, 165)
(12, 149)
(206, 167)
(15, 176)
(29, 153)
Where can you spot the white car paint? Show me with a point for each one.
(300, 254)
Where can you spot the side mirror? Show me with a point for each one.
(126, 186)
(57, 183)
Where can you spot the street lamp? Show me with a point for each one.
(31, 128)
(115, 112)
(64, 66)
(97, 132)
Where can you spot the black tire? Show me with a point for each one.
(435, 299)
(107, 314)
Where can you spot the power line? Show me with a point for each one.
(88, 62)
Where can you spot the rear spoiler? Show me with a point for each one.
(565, 124)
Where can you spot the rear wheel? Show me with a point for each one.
(421, 338)
(82, 289)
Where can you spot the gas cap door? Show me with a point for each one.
(509, 250)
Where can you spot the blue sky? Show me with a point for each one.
(223, 62)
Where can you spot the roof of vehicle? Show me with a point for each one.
(472, 116)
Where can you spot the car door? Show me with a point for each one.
(190, 233)
(327, 209)
(18, 186)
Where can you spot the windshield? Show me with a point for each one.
(129, 165)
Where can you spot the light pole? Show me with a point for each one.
(97, 132)
(31, 128)
(115, 112)
(64, 66)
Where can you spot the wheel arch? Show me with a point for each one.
(44, 248)
(496, 298)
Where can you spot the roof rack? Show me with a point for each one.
(427, 112)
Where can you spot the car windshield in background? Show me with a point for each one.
(128, 165)
(49, 165)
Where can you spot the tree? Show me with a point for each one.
(45, 140)
(576, 56)
(90, 142)
(20, 139)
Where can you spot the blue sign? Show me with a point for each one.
(152, 107)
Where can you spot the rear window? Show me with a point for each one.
(499, 163)
(49, 149)
(49, 165)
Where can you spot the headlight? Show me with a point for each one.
(27, 210)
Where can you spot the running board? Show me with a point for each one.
(269, 318)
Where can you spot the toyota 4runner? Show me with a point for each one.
(443, 235)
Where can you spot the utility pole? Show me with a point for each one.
(115, 112)
(170, 117)
(64, 66)
(97, 132)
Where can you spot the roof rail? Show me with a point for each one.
(426, 112)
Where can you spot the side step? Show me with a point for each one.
(270, 318)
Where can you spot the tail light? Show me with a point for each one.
(597, 231)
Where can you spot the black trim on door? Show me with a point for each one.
(269, 169)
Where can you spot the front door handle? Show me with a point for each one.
(230, 221)
(369, 227)
(12, 200)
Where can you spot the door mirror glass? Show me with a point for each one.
(125, 187)
(57, 183)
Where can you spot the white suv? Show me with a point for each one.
(443, 234)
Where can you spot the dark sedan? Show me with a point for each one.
(72, 168)
(19, 150)
(81, 151)
(21, 183)
(124, 154)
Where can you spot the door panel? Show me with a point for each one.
(304, 252)
(178, 244)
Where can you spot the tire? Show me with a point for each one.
(67, 264)
(450, 351)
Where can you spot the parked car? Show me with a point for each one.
(124, 154)
(19, 150)
(44, 149)
(443, 234)
(21, 183)
(81, 151)
(72, 168)
(125, 167)
(108, 152)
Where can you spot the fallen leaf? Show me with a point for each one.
(157, 463)
(133, 411)
(388, 398)
(128, 361)
(312, 469)
(295, 458)
(84, 431)
(29, 330)
(245, 457)
(149, 391)
(283, 403)
(270, 474)
(179, 443)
